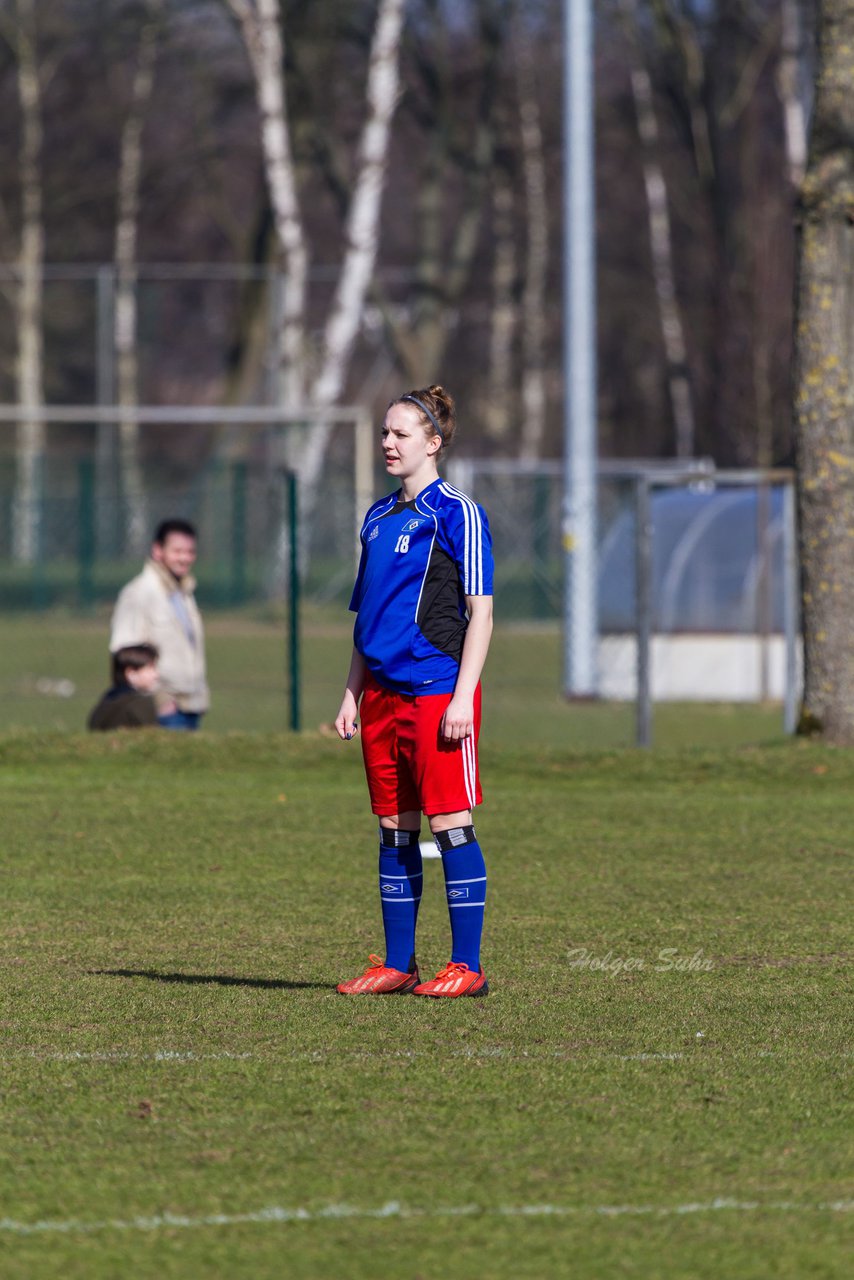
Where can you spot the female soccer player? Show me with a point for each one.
(423, 605)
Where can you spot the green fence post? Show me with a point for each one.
(85, 532)
(238, 533)
(41, 593)
(540, 520)
(294, 600)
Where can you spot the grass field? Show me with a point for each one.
(41, 653)
(184, 1094)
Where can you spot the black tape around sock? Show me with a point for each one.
(454, 838)
(396, 839)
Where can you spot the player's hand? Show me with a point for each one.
(458, 720)
(346, 723)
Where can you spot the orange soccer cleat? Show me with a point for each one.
(454, 980)
(378, 980)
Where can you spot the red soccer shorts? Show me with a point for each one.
(408, 762)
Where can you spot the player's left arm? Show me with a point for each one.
(345, 722)
(458, 720)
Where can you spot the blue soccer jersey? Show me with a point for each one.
(420, 559)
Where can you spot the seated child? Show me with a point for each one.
(129, 704)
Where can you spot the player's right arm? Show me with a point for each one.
(345, 721)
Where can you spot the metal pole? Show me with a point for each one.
(275, 305)
(579, 514)
(541, 527)
(791, 612)
(41, 592)
(294, 601)
(105, 361)
(364, 477)
(238, 533)
(764, 626)
(108, 530)
(85, 531)
(643, 607)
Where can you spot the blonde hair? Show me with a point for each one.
(436, 409)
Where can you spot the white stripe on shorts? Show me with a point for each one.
(469, 770)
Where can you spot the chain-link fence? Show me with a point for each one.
(696, 583)
(88, 524)
(523, 503)
(714, 618)
(717, 542)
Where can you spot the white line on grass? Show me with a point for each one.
(361, 1055)
(177, 1056)
(323, 1055)
(394, 1209)
(122, 1055)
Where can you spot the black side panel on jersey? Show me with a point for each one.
(439, 618)
(398, 507)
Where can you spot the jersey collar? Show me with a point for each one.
(427, 494)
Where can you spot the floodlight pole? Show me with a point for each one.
(579, 503)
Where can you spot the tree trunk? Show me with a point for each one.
(824, 402)
(421, 338)
(29, 481)
(661, 248)
(497, 415)
(135, 525)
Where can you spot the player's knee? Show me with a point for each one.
(408, 821)
(448, 821)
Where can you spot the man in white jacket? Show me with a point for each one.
(158, 607)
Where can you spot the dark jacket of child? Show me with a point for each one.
(124, 708)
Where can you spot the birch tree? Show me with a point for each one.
(824, 403)
(125, 312)
(30, 443)
(361, 232)
(261, 25)
(791, 89)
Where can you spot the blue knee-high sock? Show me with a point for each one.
(465, 886)
(400, 892)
